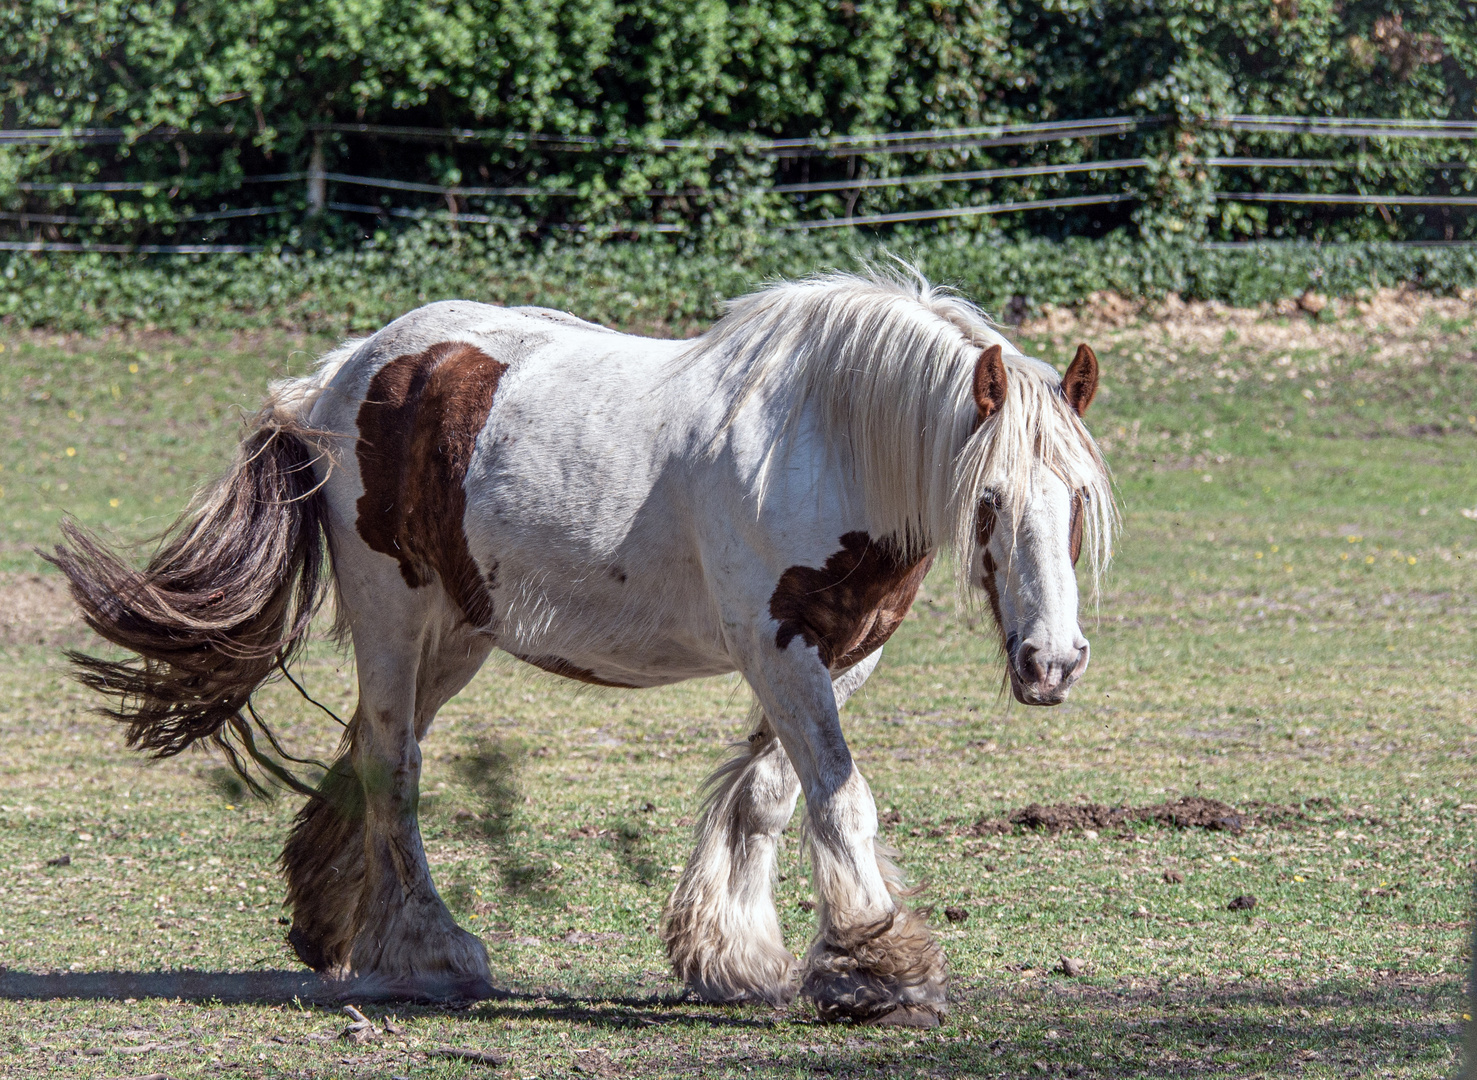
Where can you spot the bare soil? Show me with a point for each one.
(1287, 324)
(36, 610)
(1188, 812)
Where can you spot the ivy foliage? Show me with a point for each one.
(213, 93)
(656, 285)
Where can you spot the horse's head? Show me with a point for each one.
(1029, 524)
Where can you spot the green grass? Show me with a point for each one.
(1296, 631)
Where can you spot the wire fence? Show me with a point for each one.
(848, 148)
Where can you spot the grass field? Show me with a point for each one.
(1289, 626)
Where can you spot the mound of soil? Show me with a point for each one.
(1187, 812)
(1064, 816)
(1193, 812)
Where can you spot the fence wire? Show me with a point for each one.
(845, 146)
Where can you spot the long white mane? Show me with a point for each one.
(888, 362)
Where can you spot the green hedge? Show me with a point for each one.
(246, 81)
(655, 284)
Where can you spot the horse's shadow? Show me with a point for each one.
(1104, 1030)
(306, 988)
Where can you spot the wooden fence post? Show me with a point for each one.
(317, 180)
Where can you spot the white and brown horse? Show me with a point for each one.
(627, 512)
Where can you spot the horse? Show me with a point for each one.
(765, 498)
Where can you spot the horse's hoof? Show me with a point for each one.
(891, 972)
(435, 989)
(309, 948)
(908, 1016)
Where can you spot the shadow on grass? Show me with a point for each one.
(492, 774)
(304, 987)
(1333, 1029)
(225, 986)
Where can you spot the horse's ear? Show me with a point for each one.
(989, 382)
(1079, 384)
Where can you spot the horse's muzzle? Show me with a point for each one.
(1043, 676)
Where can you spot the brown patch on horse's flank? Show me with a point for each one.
(848, 608)
(1188, 812)
(555, 665)
(418, 426)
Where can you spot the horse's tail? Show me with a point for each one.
(224, 602)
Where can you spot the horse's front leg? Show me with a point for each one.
(872, 959)
(721, 929)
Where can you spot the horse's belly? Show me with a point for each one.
(617, 626)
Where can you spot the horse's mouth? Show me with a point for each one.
(1030, 695)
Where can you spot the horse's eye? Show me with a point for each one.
(990, 499)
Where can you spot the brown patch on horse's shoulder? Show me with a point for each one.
(418, 427)
(848, 608)
(555, 665)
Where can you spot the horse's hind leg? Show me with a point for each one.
(721, 929)
(324, 864)
(358, 880)
(403, 930)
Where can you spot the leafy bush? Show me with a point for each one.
(218, 91)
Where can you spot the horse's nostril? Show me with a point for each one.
(1025, 663)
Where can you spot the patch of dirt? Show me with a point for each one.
(1288, 323)
(35, 609)
(595, 1063)
(1292, 817)
(1193, 812)
(590, 832)
(1063, 816)
(592, 937)
(1187, 812)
